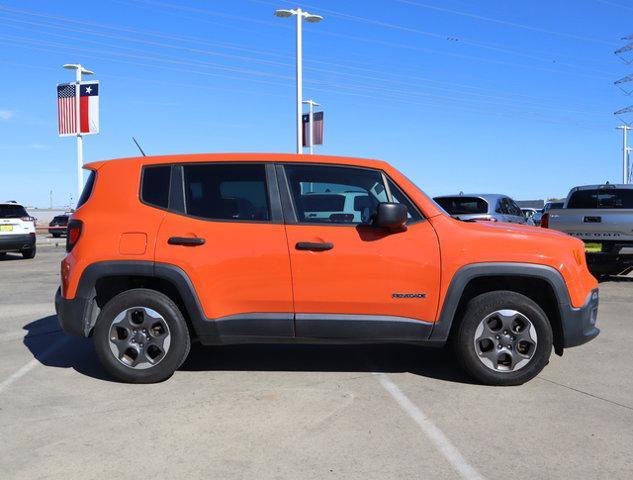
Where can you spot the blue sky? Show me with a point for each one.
(500, 96)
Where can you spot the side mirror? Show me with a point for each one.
(392, 216)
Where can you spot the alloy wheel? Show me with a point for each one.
(505, 340)
(139, 337)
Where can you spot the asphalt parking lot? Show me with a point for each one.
(306, 412)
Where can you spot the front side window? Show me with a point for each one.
(335, 195)
(398, 196)
(227, 192)
(502, 206)
(514, 209)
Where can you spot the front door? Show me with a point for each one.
(352, 280)
(231, 242)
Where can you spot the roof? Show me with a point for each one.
(604, 186)
(242, 157)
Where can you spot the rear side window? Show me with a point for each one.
(601, 198)
(87, 191)
(155, 189)
(463, 205)
(12, 211)
(227, 192)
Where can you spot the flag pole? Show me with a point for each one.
(80, 143)
(80, 140)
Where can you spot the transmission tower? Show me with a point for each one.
(622, 84)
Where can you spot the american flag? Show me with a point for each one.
(317, 129)
(66, 109)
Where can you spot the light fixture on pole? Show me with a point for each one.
(308, 17)
(79, 70)
(311, 104)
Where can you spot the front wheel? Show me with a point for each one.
(141, 337)
(504, 338)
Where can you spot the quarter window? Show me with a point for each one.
(227, 191)
(155, 190)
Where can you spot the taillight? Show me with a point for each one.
(545, 220)
(74, 232)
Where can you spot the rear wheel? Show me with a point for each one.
(29, 252)
(504, 338)
(141, 337)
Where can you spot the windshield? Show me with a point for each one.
(601, 198)
(12, 211)
(463, 205)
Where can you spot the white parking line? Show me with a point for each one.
(441, 442)
(26, 368)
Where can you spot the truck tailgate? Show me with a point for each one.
(594, 224)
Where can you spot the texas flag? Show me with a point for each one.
(89, 107)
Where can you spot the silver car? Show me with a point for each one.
(492, 207)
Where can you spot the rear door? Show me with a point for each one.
(352, 280)
(229, 238)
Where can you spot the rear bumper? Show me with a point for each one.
(74, 315)
(12, 243)
(579, 324)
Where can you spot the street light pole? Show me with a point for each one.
(308, 17)
(625, 153)
(299, 81)
(79, 70)
(311, 104)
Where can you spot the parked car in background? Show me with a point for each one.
(602, 217)
(537, 217)
(58, 225)
(528, 213)
(17, 230)
(487, 207)
(227, 249)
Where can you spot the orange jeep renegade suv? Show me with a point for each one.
(243, 248)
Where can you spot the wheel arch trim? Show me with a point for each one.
(467, 273)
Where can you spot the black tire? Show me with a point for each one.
(481, 307)
(176, 353)
(56, 235)
(29, 253)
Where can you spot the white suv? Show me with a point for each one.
(17, 230)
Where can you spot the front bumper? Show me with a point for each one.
(579, 324)
(13, 243)
(74, 315)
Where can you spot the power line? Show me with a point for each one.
(339, 90)
(240, 57)
(506, 22)
(347, 85)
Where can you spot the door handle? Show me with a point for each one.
(187, 241)
(314, 246)
(592, 219)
